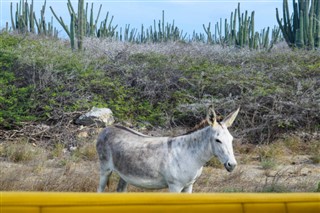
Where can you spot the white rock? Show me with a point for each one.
(100, 117)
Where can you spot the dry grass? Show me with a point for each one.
(21, 152)
(57, 169)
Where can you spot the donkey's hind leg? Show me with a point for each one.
(122, 185)
(105, 173)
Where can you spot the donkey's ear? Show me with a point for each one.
(211, 116)
(228, 121)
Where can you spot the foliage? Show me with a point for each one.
(158, 84)
(15, 100)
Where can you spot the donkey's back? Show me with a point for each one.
(135, 157)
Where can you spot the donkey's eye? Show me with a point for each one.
(218, 141)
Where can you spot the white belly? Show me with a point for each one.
(148, 183)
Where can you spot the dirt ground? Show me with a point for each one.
(260, 169)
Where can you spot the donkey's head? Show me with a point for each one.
(221, 139)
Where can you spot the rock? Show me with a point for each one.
(305, 171)
(83, 134)
(101, 117)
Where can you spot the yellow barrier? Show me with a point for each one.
(43, 202)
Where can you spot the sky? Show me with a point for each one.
(189, 15)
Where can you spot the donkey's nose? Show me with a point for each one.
(230, 166)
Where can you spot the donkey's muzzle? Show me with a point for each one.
(230, 166)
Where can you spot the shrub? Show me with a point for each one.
(159, 84)
(15, 102)
(86, 152)
(19, 152)
(315, 151)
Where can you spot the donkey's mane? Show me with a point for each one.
(201, 125)
(204, 123)
(131, 131)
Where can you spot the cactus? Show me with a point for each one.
(240, 32)
(158, 32)
(72, 34)
(252, 36)
(81, 23)
(208, 32)
(304, 31)
(81, 27)
(72, 31)
(24, 20)
(274, 36)
(106, 30)
(41, 25)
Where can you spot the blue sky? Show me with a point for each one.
(189, 15)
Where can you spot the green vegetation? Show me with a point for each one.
(162, 84)
(15, 102)
(155, 79)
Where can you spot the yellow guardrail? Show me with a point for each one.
(47, 202)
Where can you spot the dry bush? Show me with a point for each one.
(21, 152)
(70, 180)
(315, 151)
(71, 177)
(169, 84)
(87, 152)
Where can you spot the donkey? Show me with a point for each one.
(164, 162)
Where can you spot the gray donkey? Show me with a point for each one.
(164, 162)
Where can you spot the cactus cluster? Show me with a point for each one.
(159, 32)
(302, 28)
(24, 20)
(240, 32)
(81, 27)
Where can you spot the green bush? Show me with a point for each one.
(164, 84)
(15, 102)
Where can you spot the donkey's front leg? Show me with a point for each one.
(188, 189)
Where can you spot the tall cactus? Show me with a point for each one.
(81, 23)
(76, 24)
(240, 32)
(207, 30)
(303, 30)
(81, 27)
(24, 20)
(160, 31)
(23, 17)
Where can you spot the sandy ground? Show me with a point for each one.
(295, 174)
